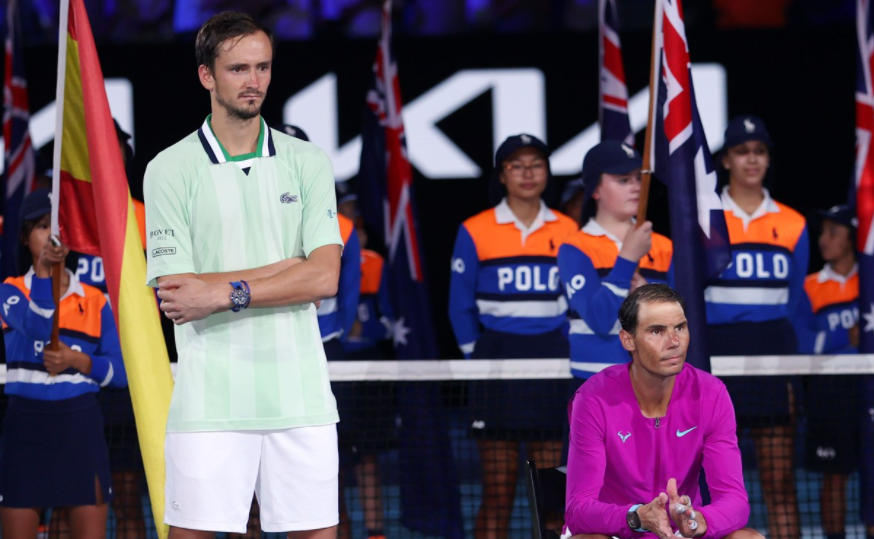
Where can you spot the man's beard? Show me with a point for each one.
(238, 113)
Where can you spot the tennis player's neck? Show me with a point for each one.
(653, 392)
(237, 136)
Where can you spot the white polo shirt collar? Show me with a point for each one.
(765, 207)
(504, 216)
(74, 288)
(827, 273)
(593, 228)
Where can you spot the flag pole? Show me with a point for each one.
(56, 164)
(646, 171)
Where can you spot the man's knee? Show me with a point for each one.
(745, 533)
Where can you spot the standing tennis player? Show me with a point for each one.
(641, 433)
(242, 239)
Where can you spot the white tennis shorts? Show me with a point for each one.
(211, 477)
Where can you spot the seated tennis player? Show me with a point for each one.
(642, 432)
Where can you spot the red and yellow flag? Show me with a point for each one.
(97, 217)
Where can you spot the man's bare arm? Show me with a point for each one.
(312, 280)
(185, 298)
(242, 275)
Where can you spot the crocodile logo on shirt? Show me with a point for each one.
(287, 198)
(623, 437)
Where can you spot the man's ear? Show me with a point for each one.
(627, 340)
(206, 77)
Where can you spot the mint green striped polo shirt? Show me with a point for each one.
(257, 369)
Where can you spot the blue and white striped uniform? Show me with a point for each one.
(504, 275)
(86, 323)
(765, 280)
(597, 280)
(828, 310)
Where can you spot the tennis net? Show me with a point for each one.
(432, 448)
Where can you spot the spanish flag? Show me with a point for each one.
(96, 216)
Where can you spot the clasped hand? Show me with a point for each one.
(654, 517)
(188, 299)
(57, 361)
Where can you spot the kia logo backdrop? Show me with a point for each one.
(464, 95)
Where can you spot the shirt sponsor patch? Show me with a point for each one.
(162, 234)
(161, 251)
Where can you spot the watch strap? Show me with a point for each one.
(633, 510)
(248, 293)
(238, 287)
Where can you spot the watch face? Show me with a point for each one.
(239, 297)
(633, 520)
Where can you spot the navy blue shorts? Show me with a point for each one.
(529, 410)
(759, 401)
(53, 453)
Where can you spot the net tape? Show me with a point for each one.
(550, 369)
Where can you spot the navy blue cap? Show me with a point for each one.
(497, 191)
(609, 156)
(294, 131)
(841, 214)
(571, 189)
(745, 128)
(612, 157)
(36, 204)
(517, 142)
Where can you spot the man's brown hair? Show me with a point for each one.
(648, 293)
(222, 27)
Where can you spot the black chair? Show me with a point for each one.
(546, 492)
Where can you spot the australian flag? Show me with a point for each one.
(862, 195)
(18, 154)
(429, 490)
(864, 180)
(681, 159)
(613, 108)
